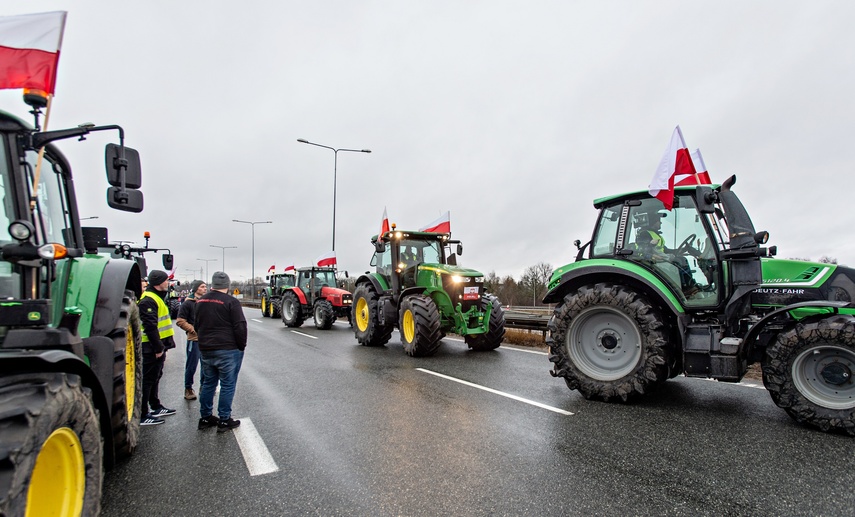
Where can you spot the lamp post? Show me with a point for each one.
(224, 248)
(335, 172)
(206, 267)
(252, 223)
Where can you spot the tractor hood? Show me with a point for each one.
(791, 281)
(451, 270)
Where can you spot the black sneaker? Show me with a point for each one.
(227, 425)
(163, 411)
(208, 422)
(150, 419)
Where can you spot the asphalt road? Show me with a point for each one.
(334, 428)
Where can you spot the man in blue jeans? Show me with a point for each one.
(221, 329)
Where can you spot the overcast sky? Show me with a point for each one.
(513, 116)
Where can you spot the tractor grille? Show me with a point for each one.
(467, 294)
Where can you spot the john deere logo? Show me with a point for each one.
(34, 316)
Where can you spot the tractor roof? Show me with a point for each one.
(641, 194)
(418, 236)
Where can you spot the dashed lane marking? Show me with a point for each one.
(255, 454)
(304, 335)
(258, 321)
(538, 352)
(497, 392)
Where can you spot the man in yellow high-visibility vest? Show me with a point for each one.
(156, 340)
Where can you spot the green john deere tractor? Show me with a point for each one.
(657, 293)
(418, 288)
(271, 297)
(70, 358)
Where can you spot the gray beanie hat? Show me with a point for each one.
(220, 280)
(157, 277)
(194, 286)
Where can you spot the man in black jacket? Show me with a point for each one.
(156, 340)
(221, 329)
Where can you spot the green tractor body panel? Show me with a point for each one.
(82, 279)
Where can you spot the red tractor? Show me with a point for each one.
(316, 295)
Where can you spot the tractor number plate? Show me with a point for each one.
(471, 293)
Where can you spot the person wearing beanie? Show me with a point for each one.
(185, 321)
(221, 329)
(156, 340)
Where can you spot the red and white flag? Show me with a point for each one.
(172, 273)
(441, 225)
(29, 50)
(272, 268)
(327, 259)
(384, 224)
(703, 175)
(290, 268)
(676, 162)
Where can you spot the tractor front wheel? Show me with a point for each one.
(292, 310)
(264, 306)
(608, 342)
(50, 447)
(419, 325)
(808, 371)
(366, 317)
(276, 307)
(324, 315)
(491, 339)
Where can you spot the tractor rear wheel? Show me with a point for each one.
(366, 317)
(50, 450)
(608, 341)
(127, 378)
(265, 310)
(292, 310)
(491, 339)
(324, 315)
(808, 371)
(419, 325)
(276, 307)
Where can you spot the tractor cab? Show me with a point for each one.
(398, 254)
(313, 280)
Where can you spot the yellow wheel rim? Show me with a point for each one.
(362, 314)
(408, 326)
(263, 305)
(130, 373)
(59, 477)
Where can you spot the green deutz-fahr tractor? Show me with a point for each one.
(419, 289)
(70, 359)
(691, 290)
(315, 295)
(271, 297)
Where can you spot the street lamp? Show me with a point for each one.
(206, 267)
(224, 248)
(335, 171)
(253, 223)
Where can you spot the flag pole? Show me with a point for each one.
(37, 174)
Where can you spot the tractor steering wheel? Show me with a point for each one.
(686, 248)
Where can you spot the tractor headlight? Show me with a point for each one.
(456, 279)
(21, 230)
(479, 279)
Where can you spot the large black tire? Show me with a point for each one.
(276, 307)
(366, 317)
(609, 342)
(419, 326)
(174, 307)
(265, 306)
(292, 310)
(491, 339)
(324, 315)
(126, 411)
(808, 372)
(50, 445)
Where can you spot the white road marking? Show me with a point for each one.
(255, 454)
(259, 321)
(742, 383)
(538, 352)
(497, 392)
(304, 335)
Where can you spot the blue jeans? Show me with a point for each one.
(191, 364)
(220, 366)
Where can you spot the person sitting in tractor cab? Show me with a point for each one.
(650, 246)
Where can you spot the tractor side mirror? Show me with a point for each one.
(705, 198)
(460, 248)
(124, 173)
(380, 246)
(167, 261)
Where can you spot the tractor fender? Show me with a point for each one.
(300, 294)
(782, 316)
(629, 274)
(16, 362)
(379, 286)
(118, 276)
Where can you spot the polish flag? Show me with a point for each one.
(172, 273)
(384, 224)
(290, 268)
(272, 268)
(29, 50)
(441, 225)
(675, 163)
(327, 259)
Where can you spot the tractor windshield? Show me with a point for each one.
(415, 251)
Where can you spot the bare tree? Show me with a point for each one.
(535, 279)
